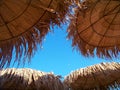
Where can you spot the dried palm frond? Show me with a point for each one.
(102, 76)
(28, 79)
(24, 24)
(96, 26)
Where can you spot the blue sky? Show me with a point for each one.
(58, 56)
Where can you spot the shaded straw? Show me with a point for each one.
(24, 24)
(96, 26)
(28, 79)
(102, 76)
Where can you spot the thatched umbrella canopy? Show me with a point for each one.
(96, 26)
(28, 79)
(97, 77)
(24, 23)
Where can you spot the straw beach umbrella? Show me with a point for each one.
(97, 77)
(24, 23)
(96, 26)
(28, 79)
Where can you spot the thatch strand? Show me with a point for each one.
(24, 24)
(96, 26)
(102, 76)
(28, 79)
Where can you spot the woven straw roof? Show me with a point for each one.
(28, 79)
(96, 25)
(98, 77)
(24, 23)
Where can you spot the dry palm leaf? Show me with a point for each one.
(23, 25)
(96, 26)
(28, 79)
(97, 77)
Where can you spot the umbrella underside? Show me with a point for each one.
(24, 24)
(97, 26)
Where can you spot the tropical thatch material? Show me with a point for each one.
(96, 27)
(28, 79)
(24, 23)
(97, 77)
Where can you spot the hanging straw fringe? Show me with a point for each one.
(93, 28)
(21, 45)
